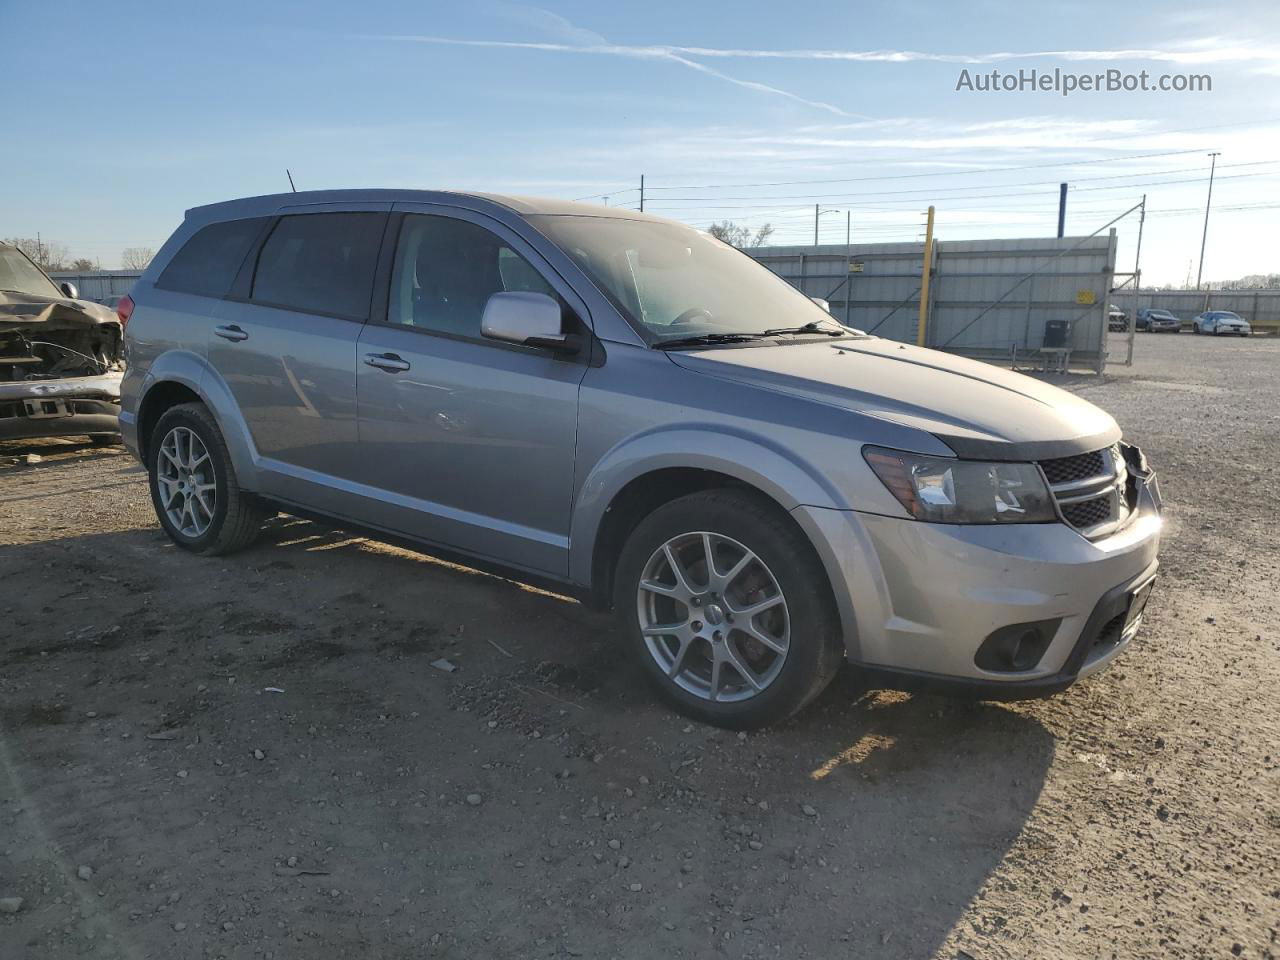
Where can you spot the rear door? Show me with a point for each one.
(469, 442)
(285, 342)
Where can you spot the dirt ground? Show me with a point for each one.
(253, 756)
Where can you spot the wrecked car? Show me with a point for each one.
(61, 358)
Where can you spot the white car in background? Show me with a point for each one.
(1221, 321)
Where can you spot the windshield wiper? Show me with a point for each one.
(703, 339)
(813, 326)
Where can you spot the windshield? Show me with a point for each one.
(674, 282)
(1226, 315)
(20, 275)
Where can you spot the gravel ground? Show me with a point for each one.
(254, 756)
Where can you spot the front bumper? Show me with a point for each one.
(59, 408)
(919, 599)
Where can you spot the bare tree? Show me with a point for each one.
(48, 256)
(739, 236)
(136, 258)
(81, 265)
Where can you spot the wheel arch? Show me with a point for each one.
(639, 476)
(182, 377)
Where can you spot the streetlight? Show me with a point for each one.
(816, 214)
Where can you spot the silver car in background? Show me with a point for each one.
(626, 410)
(1219, 322)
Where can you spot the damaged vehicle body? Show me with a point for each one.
(61, 358)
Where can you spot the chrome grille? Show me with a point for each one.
(1091, 490)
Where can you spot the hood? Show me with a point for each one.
(979, 410)
(18, 310)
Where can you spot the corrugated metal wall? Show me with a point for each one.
(988, 297)
(1260, 307)
(99, 284)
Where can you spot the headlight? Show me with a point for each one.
(944, 490)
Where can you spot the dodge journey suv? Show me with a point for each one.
(626, 410)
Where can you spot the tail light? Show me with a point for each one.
(124, 310)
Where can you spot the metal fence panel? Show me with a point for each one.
(989, 298)
(99, 284)
(1260, 307)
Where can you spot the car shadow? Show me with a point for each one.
(871, 823)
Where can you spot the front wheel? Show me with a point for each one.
(727, 609)
(193, 484)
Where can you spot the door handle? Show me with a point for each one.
(389, 362)
(231, 332)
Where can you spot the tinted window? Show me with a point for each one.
(447, 269)
(320, 263)
(208, 262)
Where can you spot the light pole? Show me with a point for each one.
(1205, 235)
(816, 214)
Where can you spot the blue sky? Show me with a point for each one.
(129, 113)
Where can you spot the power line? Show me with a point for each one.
(827, 198)
(845, 201)
(910, 176)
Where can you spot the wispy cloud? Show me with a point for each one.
(1203, 51)
(658, 53)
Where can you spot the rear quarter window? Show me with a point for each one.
(208, 262)
(320, 263)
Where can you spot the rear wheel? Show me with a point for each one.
(193, 484)
(727, 610)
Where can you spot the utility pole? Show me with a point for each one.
(642, 193)
(924, 279)
(849, 263)
(1137, 281)
(1062, 210)
(1205, 235)
(815, 224)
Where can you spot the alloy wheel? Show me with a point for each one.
(188, 485)
(713, 617)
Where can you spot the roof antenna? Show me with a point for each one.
(290, 176)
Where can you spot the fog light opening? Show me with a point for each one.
(1016, 648)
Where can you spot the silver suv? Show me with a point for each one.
(628, 411)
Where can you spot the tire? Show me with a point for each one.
(105, 439)
(804, 627)
(236, 516)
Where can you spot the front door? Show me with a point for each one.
(469, 442)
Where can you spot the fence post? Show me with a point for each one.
(925, 273)
(1110, 277)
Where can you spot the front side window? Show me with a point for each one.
(320, 263)
(207, 263)
(446, 270)
(674, 281)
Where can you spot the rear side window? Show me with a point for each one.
(320, 263)
(208, 262)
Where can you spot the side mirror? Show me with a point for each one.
(69, 290)
(822, 303)
(531, 319)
